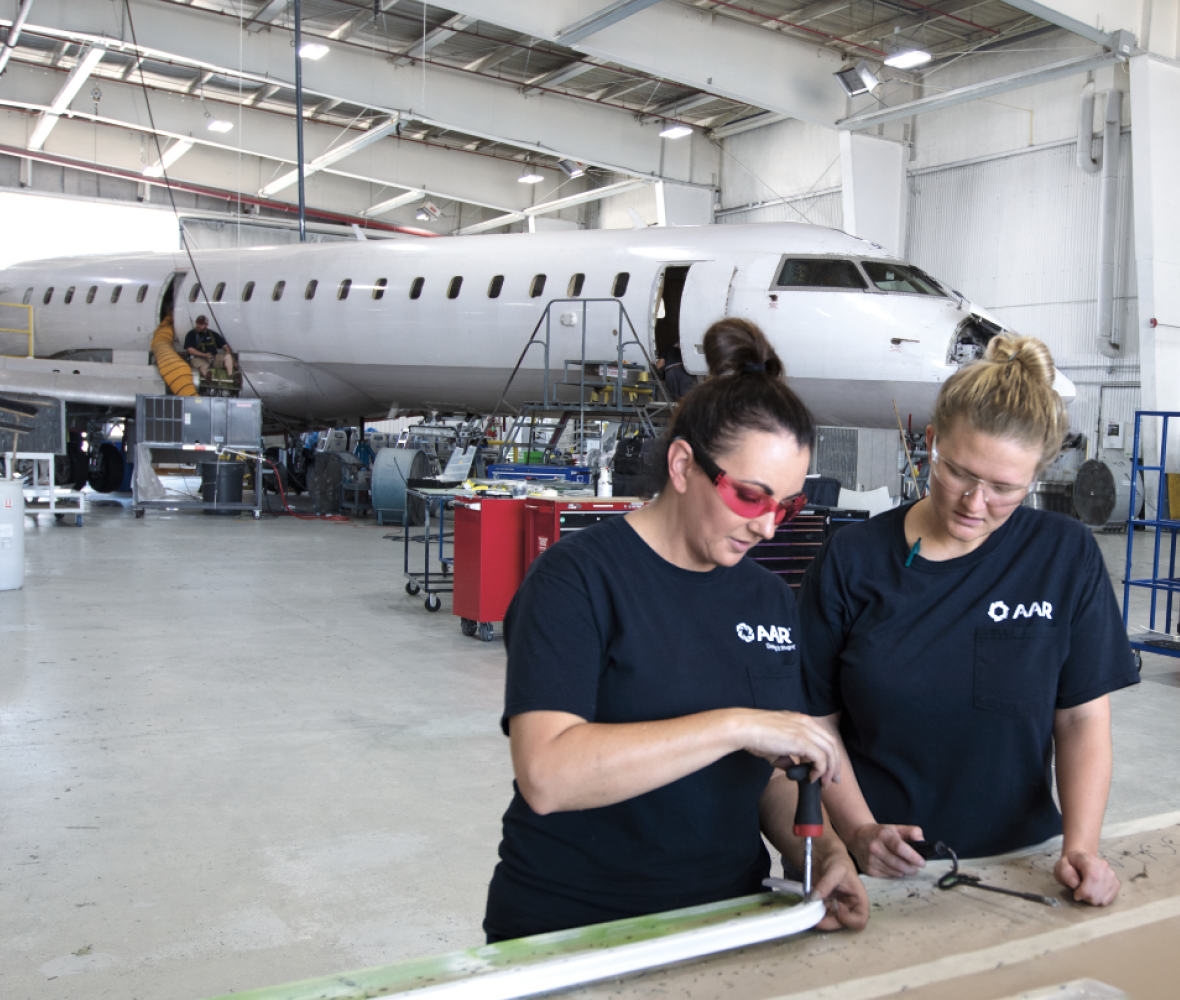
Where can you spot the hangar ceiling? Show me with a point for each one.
(415, 102)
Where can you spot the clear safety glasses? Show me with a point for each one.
(998, 496)
(747, 501)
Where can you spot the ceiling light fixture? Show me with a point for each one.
(858, 79)
(427, 212)
(529, 176)
(675, 132)
(902, 55)
(313, 50)
(571, 168)
(219, 125)
(171, 155)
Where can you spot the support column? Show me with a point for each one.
(1155, 138)
(874, 189)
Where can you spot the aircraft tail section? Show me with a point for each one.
(176, 372)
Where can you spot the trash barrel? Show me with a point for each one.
(221, 482)
(12, 534)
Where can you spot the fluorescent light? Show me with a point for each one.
(217, 125)
(78, 77)
(675, 132)
(858, 79)
(314, 50)
(908, 58)
(530, 176)
(171, 155)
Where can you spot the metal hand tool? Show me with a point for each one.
(809, 816)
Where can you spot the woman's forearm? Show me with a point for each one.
(1084, 762)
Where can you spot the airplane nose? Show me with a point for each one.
(1064, 387)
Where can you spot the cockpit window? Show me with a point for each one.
(811, 272)
(890, 277)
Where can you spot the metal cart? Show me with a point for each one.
(1153, 640)
(418, 582)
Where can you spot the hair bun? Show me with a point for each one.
(1027, 352)
(738, 347)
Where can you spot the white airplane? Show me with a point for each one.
(329, 333)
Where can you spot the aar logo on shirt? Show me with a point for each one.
(776, 637)
(999, 611)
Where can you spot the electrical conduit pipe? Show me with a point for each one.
(176, 372)
(1108, 201)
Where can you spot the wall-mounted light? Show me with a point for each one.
(313, 50)
(675, 132)
(858, 79)
(571, 168)
(530, 176)
(219, 125)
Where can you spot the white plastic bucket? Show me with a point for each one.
(12, 534)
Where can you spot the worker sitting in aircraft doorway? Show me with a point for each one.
(653, 685)
(676, 379)
(958, 644)
(206, 347)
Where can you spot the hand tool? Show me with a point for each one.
(809, 815)
(937, 849)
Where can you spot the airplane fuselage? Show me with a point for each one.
(332, 332)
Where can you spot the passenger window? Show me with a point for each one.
(28, 296)
(115, 293)
(143, 289)
(495, 286)
(622, 279)
(379, 288)
(69, 296)
(219, 291)
(575, 288)
(537, 288)
(344, 289)
(416, 288)
(90, 294)
(453, 288)
(248, 291)
(194, 293)
(890, 277)
(48, 295)
(810, 273)
(309, 291)
(278, 292)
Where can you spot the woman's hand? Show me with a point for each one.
(1089, 876)
(779, 736)
(841, 890)
(882, 851)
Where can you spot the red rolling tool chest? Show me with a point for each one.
(547, 520)
(489, 560)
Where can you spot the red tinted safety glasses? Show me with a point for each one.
(743, 500)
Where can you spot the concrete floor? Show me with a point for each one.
(237, 753)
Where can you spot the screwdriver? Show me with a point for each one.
(809, 816)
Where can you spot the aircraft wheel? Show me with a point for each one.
(79, 467)
(433, 602)
(106, 468)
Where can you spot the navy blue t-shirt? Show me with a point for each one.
(948, 674)
(606, 629)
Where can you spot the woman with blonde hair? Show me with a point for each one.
(954, 643)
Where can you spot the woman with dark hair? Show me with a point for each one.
(964, 647)
(653, 685)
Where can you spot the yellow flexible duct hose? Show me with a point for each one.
(176, 372)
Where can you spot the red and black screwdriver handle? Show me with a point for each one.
(809, 815)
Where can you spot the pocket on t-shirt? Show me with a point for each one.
(777, 687)
(1016, 669)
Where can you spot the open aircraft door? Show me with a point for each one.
(707, 289)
